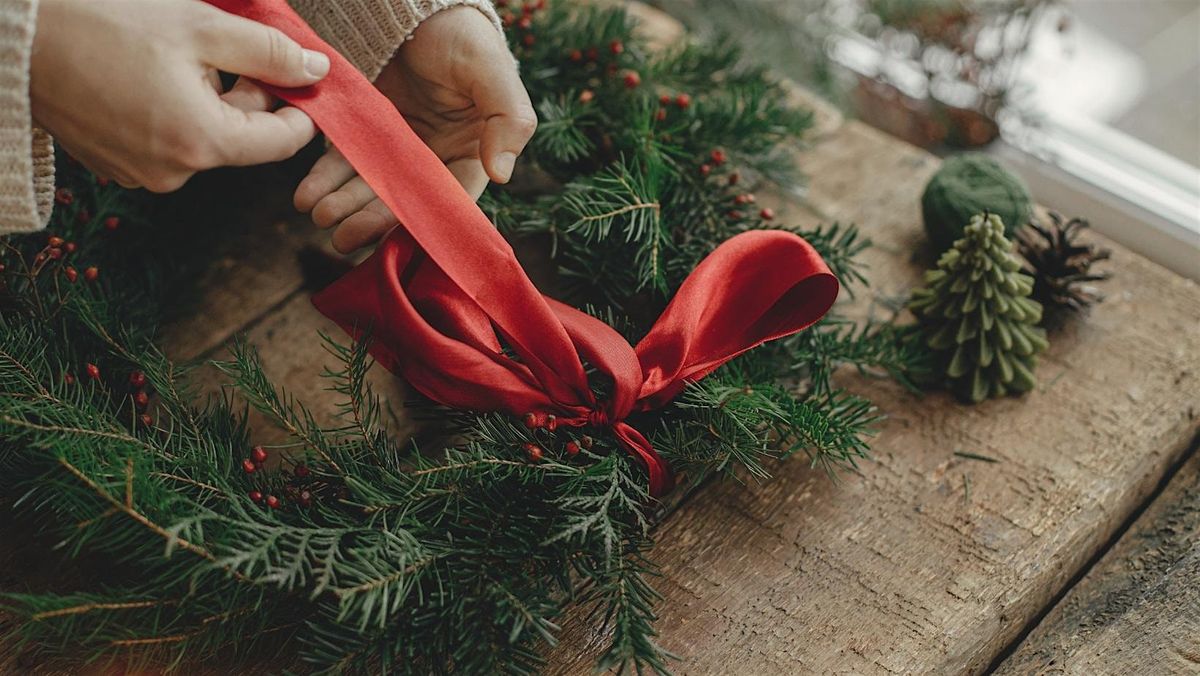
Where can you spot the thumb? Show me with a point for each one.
(509, 117)
(244, 47)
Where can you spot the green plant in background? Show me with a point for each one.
(352, 550)
(968, 185)
(976, 315)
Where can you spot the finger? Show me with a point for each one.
(256, 137)
(329, 173)
(346, 200)
(244, 47)
(363, 228)
(470, 175)
(248, 96)
(510, 119)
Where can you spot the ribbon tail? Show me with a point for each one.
(657, 471)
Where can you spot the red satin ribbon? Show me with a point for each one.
(444, 292)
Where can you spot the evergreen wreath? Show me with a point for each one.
(350, 548)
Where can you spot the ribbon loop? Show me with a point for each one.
(443, 292)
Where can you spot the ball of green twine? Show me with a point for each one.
(968, 185)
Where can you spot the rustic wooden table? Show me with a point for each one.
(1067, 554)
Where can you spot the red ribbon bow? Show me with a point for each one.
(444, 289)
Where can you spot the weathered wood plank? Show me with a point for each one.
(928, 562)
(256, 265)
(896, 569)
(1138, 609)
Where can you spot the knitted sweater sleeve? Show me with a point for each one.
(26, 155)
(368, 32)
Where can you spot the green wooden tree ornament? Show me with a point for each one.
(977, 317)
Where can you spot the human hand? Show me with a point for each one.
(457, 85)
(130, 88)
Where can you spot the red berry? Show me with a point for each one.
(41, 257)
(586, 96)
(55, 253)
(137, 379)
(531, 421)
(718, 156)
(301, 471)
(71, 274)
(111, 223)
(90, 274)
(734, 178)
(744, 198)
(576, 55)
(141, 399)
(551, 423)
(540, 4)
(586, 442)
(632, 80)
(683, 101)
(705, 169)
(592, 54)
(258, 454)
(664, 100)
(767, 213)
(55, 241)
(533, 452)
(63, 196)
(68, 379)
(660, 114)
(83, 216)
(528, 40)
(70, 247)
(572, 448)
(508, 20)
(256, 496)
(502, 3)
(305, 498)
(2, 268)
(248, 466)
(525, 23)
(616, 47)
(735, 214)
(101, 181)
(273, 502)
(93, 371)
(147, 421)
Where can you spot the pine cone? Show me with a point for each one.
(1060, 264)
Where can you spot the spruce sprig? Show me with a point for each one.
(458, 554)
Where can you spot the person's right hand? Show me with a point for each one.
(130, 88)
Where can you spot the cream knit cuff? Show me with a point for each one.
(368, 32)
(26, 153)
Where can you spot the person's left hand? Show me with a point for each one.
(457, 85)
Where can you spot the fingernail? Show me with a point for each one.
(503, 165)
(316, 64)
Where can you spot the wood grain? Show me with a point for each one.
(926, 561)
(1138, 609)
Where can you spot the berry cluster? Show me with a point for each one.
(522, 19)
(717, 159)
(548, 423)
(57, 252)
(296, 485)
(137, 387)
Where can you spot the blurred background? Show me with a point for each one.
(1095, 102)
